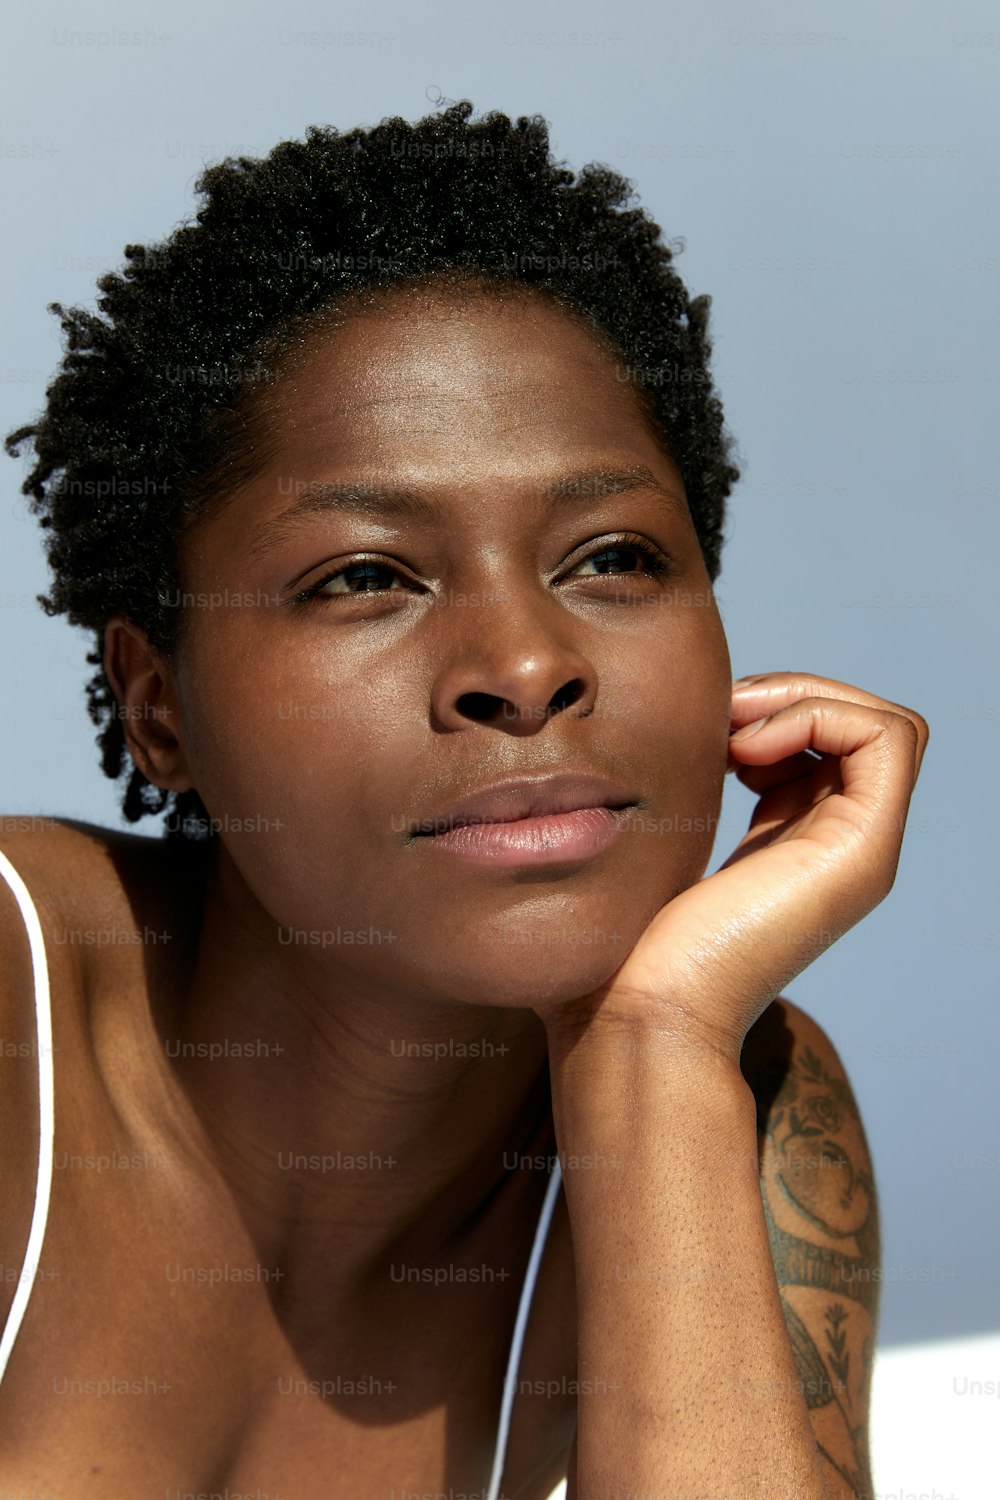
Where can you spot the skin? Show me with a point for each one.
(270, 712)
(482, 405)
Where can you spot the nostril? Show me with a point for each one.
(483, 707)
(479, 706)
(566, 695)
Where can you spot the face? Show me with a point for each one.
(504, 629)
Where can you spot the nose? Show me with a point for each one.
(513, 669)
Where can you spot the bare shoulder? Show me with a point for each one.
(70, 879)
(86, 884)
(72, 882)
(822, 1216)
(118, 914)
(95, 892)
(811, 1136)
(784, 1049)
(85, 881)
(782, 1030)
(68, 865)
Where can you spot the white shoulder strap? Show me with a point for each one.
(46, 1108)
(520, 1324)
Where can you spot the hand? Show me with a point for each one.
(834, 768)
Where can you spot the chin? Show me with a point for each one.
(521, 965)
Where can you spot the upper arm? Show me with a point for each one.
(820, 1206)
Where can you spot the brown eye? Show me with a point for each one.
(615, 558)
(365, 572)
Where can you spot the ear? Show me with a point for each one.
(148, 706)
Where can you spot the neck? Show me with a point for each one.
(346, 1117)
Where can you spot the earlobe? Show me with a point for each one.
(147, 704)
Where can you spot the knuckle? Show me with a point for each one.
(908, 726)
(922, 726)
(896, 723)
(918, 721)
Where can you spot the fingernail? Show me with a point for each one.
(747, 730)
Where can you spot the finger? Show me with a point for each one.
(755, 697)
(779, 805)
(761, 778)
(875, 748)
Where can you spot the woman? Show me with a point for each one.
(423, 1016)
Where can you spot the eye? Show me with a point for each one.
(363, 575)
(615, 558)
(364, 572)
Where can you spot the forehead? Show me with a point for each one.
(457, 374)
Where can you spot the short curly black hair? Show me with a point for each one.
(154, 410)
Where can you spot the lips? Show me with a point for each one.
(511, 801)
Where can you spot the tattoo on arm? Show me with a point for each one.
(816, 1173)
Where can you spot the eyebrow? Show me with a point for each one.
(378, 502)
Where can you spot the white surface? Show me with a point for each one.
(934, 1429)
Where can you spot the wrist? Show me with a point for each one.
(615, 1061)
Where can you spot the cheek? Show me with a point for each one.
(275, 742)
(688, 700)
(309, 748)
(313, 768)
(297, 783)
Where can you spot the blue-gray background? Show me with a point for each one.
(833, 172)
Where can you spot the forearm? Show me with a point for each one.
(688, 1383)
